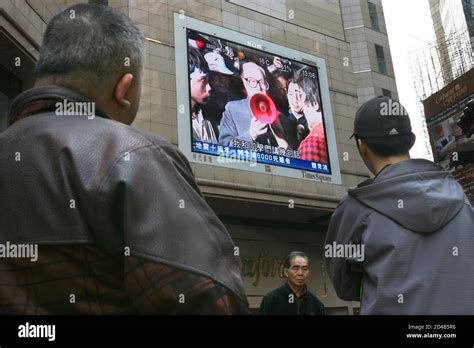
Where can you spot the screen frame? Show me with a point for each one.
(181, 24)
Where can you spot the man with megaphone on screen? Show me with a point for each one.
(238, 120)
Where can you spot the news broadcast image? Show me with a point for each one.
(249, 105)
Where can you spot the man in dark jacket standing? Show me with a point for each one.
(405, 238)
(121, 225)
(293, 298)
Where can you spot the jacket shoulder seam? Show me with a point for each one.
(112, 167)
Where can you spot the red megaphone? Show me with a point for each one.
(263, 108)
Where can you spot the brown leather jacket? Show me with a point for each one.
(121, 225)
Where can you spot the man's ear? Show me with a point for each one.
(285, 272)
(121, 89)
(413, 140)
(358, 144)
(363, 150)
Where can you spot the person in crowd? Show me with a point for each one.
(203, 129)
(279, 84)
(295, 113)
(293, 298)
(238, 122)
(313, 146)
(412, 221)
(279, 90)
(220, 80)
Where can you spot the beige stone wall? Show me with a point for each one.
(363, 37)
(33, 15)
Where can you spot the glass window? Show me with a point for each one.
(386, 93)
(10, 87)
(381, 59)
(4, 104)
(374, 19)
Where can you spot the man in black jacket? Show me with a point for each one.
(121, 224)
(293, 298)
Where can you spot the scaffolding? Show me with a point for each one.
(434, 65)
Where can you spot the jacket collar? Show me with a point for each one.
(43, 99)
(405, 167)
(290, 291)
(401, 168)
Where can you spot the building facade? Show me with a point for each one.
(444, 85)
(468, 9)
(365, 30)
(267, 215)
(453, 41)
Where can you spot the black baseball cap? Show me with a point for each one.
(381, 117)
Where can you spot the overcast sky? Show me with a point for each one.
(409, 25)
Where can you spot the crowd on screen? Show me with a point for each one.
(222, 82)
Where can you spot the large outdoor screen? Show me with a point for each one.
(249, 105)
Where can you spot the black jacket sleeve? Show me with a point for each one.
(265, 306)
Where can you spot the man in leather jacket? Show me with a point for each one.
(120, 225)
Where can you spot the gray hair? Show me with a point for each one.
(90, 42)
(292, 255)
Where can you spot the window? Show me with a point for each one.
(4, 104)
(100, 2)
(12, 79)
(386, 93)
(374, 19)
(10, 87)
(381, 59)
